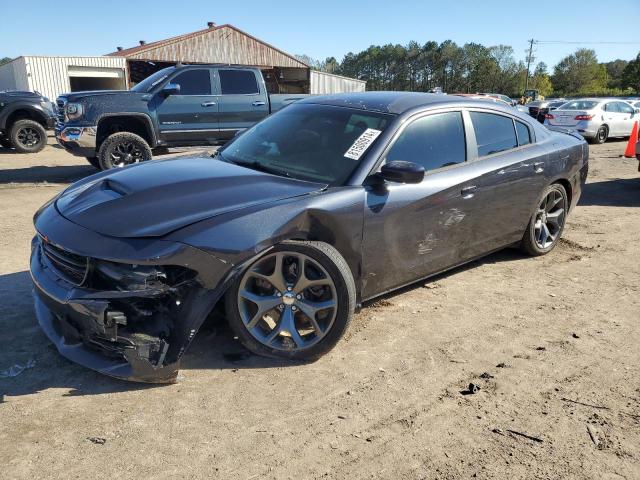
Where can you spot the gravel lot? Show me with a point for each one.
(552, 342)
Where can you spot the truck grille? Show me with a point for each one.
(71, 267)
(61, 103)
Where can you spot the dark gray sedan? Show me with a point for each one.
(290, 227)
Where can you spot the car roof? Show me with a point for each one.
(393, 102)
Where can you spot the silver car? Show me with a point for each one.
(596, 119)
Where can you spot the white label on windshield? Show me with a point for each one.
(362, 143)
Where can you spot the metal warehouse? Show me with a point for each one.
(223, 44)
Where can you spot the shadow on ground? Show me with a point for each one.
(622, 192)
(22, 340)
(42, 173)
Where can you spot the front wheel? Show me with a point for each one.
(547, 224)
(294, 302)
(122, 149)
(27, 136)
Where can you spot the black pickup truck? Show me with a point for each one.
(24, 119)
(176, 106)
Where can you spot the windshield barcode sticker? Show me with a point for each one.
(362, 143)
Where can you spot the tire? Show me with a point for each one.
(535, 242)
(5, 142)
(601, 135)
(93, 161)
(27, 136)
(334, 286)
(122, 149)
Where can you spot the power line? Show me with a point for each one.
(566, 42)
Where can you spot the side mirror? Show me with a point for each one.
(171, 89)
(636, 110)
(402, 172)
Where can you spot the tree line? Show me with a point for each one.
(475, 68)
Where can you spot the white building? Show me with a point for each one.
(224, 44)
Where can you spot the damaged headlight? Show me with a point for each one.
(131, 277)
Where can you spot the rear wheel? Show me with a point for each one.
(546, 225)
(294, 302)
(27, 136)
(122, 149)
(601, 135)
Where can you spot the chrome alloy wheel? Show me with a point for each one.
(287, 301)
(550, 218)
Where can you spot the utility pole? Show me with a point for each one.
(530, 59)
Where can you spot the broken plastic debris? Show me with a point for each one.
(17, 369)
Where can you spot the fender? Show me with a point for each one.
(145, 118)
(33, 108)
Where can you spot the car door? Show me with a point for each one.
(627, 118)
(243, 100)
(510, 175)
(613, 118)
(192, 115)
(413, 230)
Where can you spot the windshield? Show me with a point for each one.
(318, 143)
(146, 85)
(579, 105)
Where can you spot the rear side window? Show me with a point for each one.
(611, 107)
(194, 82)
(238, 82)
(524, 134)
(494, 133)
(625, 107)
(434, 141)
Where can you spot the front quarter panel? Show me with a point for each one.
(333, 216)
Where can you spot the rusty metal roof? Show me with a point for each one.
(171, 48)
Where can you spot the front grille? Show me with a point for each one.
(73, 268)
(61, 106)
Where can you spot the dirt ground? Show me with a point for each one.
(552, 342)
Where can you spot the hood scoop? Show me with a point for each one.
(155, 198)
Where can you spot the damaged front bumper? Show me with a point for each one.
(127, 317)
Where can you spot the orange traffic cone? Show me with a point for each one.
(630, 152)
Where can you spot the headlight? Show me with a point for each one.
(74, 110)
(131, 277)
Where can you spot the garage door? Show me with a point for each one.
(95, 72)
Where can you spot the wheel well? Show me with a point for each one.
(115, 124)
(25, 114)
(567, 188)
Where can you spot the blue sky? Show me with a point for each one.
(323, 28)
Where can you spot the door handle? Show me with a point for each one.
(538, 167)
(468, 192)
(208, 104)
(258, 103)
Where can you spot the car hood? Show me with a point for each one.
(158, 197)
(74, 97)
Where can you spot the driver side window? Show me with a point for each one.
(433, 141)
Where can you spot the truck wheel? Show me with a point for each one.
(122, 149)
(27, 136)
(93, 161)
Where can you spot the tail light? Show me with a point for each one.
(548, 116)
(584, 117)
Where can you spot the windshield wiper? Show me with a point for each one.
(255, 165)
